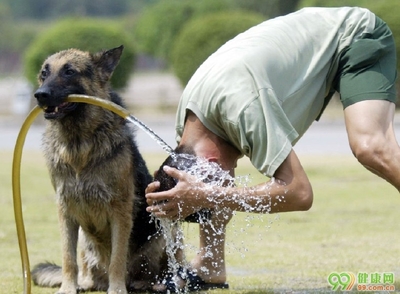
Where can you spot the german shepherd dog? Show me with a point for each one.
(100, 178)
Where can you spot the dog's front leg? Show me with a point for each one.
(69, 237)
(121, 227)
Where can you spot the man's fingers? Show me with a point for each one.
(173, 172)
(163, 210)
(152, 187)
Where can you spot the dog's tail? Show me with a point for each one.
(47, 275)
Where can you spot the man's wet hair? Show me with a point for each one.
(183, 158)
(176, 160)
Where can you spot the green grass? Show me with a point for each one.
(353, 226)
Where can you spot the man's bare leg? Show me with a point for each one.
(209, 263)
(372, 139)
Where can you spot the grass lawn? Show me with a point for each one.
(353, 226)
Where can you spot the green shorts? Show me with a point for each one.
(367, 68)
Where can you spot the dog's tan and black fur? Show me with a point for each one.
(99, 177)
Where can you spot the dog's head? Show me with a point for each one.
(74, 72)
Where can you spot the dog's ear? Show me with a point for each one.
(107, 61)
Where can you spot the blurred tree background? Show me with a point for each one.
(86, 34)
(202, 36)
(154, 27)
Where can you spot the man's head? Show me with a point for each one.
(182, 159)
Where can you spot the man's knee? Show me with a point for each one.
(368, 150)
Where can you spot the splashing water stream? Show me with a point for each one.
(150, 132)
(213, 175)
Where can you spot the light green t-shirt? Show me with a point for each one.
(262, 90)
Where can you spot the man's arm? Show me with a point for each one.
(288, 190)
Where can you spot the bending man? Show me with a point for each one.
(259, 93)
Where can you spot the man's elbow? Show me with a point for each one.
(305, 197)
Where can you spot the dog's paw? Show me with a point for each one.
(67, 291)
(136, 286)
(86, 285)
(117, 290)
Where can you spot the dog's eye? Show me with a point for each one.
(69, 72)
(43, 75)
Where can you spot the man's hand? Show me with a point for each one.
(184, 199)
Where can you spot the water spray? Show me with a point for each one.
(16, 168)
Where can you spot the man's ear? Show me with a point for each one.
(107, 61)
(212, 159)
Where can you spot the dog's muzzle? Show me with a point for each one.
(52, 109)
